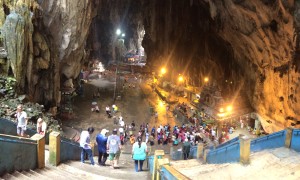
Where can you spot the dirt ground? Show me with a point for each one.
(134, 103)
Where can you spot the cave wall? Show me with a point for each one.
(46, 43)
(262, 35)
(112, 15)
(253, 44)
(250, 43)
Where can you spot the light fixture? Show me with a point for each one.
(163, 70)
(118, 32)
(180, 78)
(206, 79)
(229, 108)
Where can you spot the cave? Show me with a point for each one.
(247, 49)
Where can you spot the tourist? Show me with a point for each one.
(114, 148)
(95, 107)
(139, 150)
(85, 144)
(151, 139)
(107, 110)
(41, 126)
(186, 146)
(101, 140)
(21, 120)
(147, 137)
(133, 125)
(121, 122)
(132, 139)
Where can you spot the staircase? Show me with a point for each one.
(77, 170)
(280, 163)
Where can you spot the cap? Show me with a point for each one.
(104, 131)
(115, 130)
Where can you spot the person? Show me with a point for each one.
(114, 148)
(139, 152)
(121, 122)
(95, 107)
(85, 144)
(186, 146)
(107, 109)
(41, 126)
(21, 120)
(133, 125)
(101, 140)
(132, 139)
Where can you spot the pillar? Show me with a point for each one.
(205, 155)
(40, 139)
(94, 148)
(288, 137)
(54, 148)
(245, 149)
(161, 162)
(171, 152)
(199, 150)
(157, 154)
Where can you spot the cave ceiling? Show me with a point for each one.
(254, 45)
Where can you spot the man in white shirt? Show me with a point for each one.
(85, 144)
(22, 120)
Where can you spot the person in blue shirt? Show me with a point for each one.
(101, 140)
(139, 153)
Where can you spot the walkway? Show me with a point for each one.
(280, 163)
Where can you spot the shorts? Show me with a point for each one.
(21, 129)
(114, 156)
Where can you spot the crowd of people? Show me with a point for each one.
(110, 147)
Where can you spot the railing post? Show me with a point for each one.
(288, 137)
(155, 162)
(206, 151)
(161, 162)
(54, 148)
(171, 152)
(199, 150)
(95, 149)
(40, 139)
(245, 149)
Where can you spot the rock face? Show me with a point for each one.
(248, 48)
(45, 43)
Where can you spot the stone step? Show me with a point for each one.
(82, 171)
(8, 176)
(279, 163)
(38, 175)
(126, 170)
(20, 175)
(60, 173)
(28, 174)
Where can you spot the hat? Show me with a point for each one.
(104, 131)
(115, 131)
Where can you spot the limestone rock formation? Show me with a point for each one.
(249, 49)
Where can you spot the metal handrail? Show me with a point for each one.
(17, 141)
(280, 133)
(215, 151)
(71, 143)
